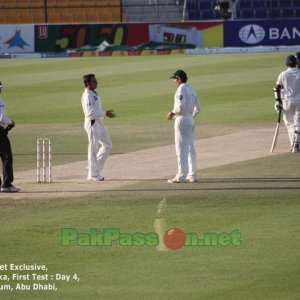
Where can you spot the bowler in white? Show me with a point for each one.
(100, 144)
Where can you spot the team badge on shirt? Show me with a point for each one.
(180, 97)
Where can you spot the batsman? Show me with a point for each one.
(287, 96)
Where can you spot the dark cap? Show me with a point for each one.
(179, 74)
(1, 86)
(291, 61)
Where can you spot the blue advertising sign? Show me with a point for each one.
(261, 33)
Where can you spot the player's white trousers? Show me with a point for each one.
(291, 117)
(185, 149)
(99, 147)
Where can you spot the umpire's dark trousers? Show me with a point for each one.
(7, 159)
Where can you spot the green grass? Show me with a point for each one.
(138, 88)
(265, 208)
(43, 98)
(259, 197)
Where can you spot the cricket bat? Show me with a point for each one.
(274, 142)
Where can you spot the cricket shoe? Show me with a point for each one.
(191, 179)
(10, 189)
(296, 148)
(95, 178)
(175, 180)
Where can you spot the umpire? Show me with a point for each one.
(5, 151)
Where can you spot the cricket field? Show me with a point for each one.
(236, 229)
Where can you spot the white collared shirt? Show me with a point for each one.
(290, 81)
(186, 102)
(91, 105)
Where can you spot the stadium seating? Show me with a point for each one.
(247, 13)
(297, 13)
(288, 12)
(275, 13)
(59, 11)
(206, 5)
(207, 14)
(286, 3)
(68, 11)
(257, 4)
(162, 11)
(261, 13)
(245, 4)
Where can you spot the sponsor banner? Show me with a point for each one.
(261, 33)
(243, 49)
(54, 54)
(175, 34)
(17, 38)
(141, 52)
(26, 55)
(5, 55)
(62, 37)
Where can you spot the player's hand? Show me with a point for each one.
(278, 106)
(170, 115)
(10, 126)
(110, 113)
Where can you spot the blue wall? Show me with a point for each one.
(262, 33)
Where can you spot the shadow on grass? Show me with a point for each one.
(207, 184)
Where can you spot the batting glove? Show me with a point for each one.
(278, 106)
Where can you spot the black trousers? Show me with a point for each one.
(7, 159)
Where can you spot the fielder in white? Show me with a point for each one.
(288, 99)
(100, 144)
(186, 107)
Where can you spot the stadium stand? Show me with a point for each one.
(163, 10)
(261, 13)
(247, 9)
(95, 11)
(59, 11)
(245, 4)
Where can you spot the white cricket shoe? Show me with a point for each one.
(95, 178)
(296, 148)
(191, 179)
(10, 189)
(175, 180)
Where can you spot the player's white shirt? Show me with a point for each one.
(290, 80)
(186, 102)
(91, 105)
(4, 120)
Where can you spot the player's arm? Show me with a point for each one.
(197, 107)
(177, 106)
(3, 118)
(277, 95)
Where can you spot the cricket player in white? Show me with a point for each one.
(186, 107)
(288, 83)
(96, 131)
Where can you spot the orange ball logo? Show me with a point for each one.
(174, 238)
